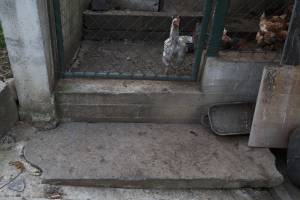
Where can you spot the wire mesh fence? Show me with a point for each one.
(158, 39)
(138, 39)
(256, 30)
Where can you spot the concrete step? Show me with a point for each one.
(149, 156)
(134, 25)
(85, 100)
(79, 193)
(150, 26)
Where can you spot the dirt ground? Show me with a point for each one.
(5, 71)
(134, 58)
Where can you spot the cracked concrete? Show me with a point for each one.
(35, 190)
(156, 156)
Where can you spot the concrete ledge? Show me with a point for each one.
(8, 109)
(131, 112)
(137, 101)
(156, 156)
(238, 73)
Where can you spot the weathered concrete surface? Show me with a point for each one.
(36, 191)
(237, 7)
(180, 7)
(239, 75)
(138, 101)
(136, 25)
(12, 87)
(149, 156)
(28, 39)
(80, 193)
(8, 109)
(277, 111)
(72, 24)
(145, 5)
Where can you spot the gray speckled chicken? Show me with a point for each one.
(175, 47)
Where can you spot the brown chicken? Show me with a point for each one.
(273, 30)
(233, 43)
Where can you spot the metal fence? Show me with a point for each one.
(131, 39)
(251, 30)
(130, 43)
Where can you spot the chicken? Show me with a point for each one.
(175, 47)
(272, 31)
(226, 40)
(274, 24)
(234, 43)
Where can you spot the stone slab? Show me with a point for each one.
(8, 109)
(35, 190)
(165, 156)
(277, 111)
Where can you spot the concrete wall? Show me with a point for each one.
(28, 39)
(179, 6)
(71, 16)
(236, 78)
(8, 109)
(238, 7)
(245, 7)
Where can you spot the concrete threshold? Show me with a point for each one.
(149, 156)
(92, 100)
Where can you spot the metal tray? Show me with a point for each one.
(231, 118)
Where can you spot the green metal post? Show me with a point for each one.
(291, 51)
(221, 12)
(202, 37)
(59, 35)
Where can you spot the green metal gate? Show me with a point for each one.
(201, 33)
(216, 15)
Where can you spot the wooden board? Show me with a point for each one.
(277, 110)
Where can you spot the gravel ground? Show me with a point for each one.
(128, 58)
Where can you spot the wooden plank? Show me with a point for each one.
(291, 55)
(277, 110)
